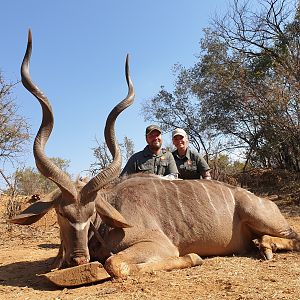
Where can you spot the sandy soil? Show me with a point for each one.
(28, 251)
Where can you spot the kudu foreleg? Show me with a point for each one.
(171, 263)
(57, 262)
(145, 257)
(119, 268)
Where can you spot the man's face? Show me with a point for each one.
(154, 140)
(180, 142)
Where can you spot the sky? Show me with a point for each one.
(78, 58)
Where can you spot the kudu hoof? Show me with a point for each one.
(265, 251)
(195, 259)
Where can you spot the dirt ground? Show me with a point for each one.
(26, 251)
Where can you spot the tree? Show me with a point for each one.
(270, 33)
(181, 109)
(127, 148)
(29, 181)
(14, 130)
(224, 169)
(244, 90)
(267, 40)
(104, 158)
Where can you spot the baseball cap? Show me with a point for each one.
(150, 128)
(179, 131)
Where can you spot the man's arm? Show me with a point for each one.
(203, 167)
(130, 167)
(172, 168)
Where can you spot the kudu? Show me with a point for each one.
(144, 223)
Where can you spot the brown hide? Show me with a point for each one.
(199, 216)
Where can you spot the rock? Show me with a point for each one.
(79, 275)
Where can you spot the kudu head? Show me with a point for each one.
(76, 204)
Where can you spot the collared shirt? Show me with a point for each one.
(146, 161)
(190, 166)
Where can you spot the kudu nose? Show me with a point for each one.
(79, 260)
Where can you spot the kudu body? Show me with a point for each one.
(144, 223)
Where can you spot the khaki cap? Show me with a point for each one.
(179, 131)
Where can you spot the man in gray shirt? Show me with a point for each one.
(190, 164)
(153, 159)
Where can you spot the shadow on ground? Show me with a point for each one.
(26, 274)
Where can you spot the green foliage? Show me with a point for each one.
(243, 92)
(29, 181)
(264, 98)
(224, 169)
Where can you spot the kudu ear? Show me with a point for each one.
(110, 215)
(32, 213)
(37, 210)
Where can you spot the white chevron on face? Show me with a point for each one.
(80, 226)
